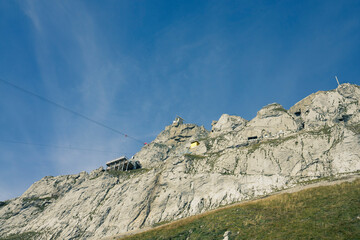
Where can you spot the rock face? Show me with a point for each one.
(238, 159)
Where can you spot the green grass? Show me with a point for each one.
(280, 109)
(21, 236)
(253, 147)
(160, 145)
(273, 142)
(194, 156)
(324, 130)
(32, 199)
(331, 212)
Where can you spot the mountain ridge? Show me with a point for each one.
(237, 160)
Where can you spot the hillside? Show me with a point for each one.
(328, 212)
(237, 160)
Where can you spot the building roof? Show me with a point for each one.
(122, 158)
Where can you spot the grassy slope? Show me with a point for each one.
(331, 212)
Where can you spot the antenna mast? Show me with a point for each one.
(337, 80)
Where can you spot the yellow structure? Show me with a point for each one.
(194, 144)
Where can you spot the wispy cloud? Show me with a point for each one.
(96, 78)
(135, 67)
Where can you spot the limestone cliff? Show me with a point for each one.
(238, 159)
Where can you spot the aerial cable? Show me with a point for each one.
(69, 110)
(56, 146)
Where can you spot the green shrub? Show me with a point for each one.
(280, 109)
(22, 236)
(4, 203)
(194, 156)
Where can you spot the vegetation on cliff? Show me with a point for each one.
(331, 212)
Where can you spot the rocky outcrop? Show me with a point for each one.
(328, 108)
(238, 159)
(174, 141)
(228, 123)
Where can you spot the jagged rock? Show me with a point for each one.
(227, 123)
(327, 108)
(97, 172)
(271, 121)
(318, 137)
(174, 140)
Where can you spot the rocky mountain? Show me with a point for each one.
(237, 160)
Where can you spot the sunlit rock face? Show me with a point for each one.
(238, 159)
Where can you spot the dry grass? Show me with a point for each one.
(330, 212)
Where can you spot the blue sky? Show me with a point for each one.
(134, 65)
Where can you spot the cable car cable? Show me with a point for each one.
(56, 146)
(68, 110)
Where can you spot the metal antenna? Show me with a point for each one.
(337, 80)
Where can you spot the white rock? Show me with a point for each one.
(319, 136)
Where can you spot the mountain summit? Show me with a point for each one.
(187, 170)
